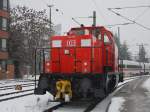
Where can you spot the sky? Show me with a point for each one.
(133, 34)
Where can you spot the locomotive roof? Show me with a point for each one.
(88, 27)
(91, 28)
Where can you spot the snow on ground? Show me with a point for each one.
(13, 89)
(125, 81)
(5, 83)
(14, 82)
(116, 104)
(17, 94)
(32, 103)
(31, 77)
(146, 84)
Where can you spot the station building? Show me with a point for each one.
(6, 64)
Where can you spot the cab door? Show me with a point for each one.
(108, 53)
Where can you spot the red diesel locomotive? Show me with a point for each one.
(82, 64)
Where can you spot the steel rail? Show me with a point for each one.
(10, 98)
(12, 87)
(6, 94)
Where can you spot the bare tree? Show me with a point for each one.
(29, 29)
(123, 49)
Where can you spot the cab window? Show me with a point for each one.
(95, 32)
(106, 39)
(78, 32)
(86, 32)
(99, 37)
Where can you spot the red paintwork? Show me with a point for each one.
(83, 60)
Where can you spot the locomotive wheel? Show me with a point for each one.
(85, 87)
(102, 90)
(106, 85)
(111, 83)
(99, 93)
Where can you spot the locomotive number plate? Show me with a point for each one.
(71, 43)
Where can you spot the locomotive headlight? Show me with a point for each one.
(48, 64)
(85, 63)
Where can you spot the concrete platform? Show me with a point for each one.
(137, 98)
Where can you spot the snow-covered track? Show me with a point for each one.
(17, 94)
(77, 106)
(15, 80)
(10, 98)
(13, 86)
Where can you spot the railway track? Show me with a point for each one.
(5, 94)
(15, 80)
(10, 98)
(88, 106)
(13, 86)
(16, 94)
(84, 106)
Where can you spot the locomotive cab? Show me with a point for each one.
(84, 63)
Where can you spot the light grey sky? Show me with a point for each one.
(133, 34)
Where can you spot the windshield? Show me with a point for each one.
(78, 32)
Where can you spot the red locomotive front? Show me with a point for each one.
(83, 63)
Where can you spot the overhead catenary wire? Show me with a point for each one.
(76, 21)
(99, 11)
(126, 18)
(142, 13)
(142, 6)
(119, 24)
(58, 10)
(73, 18)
